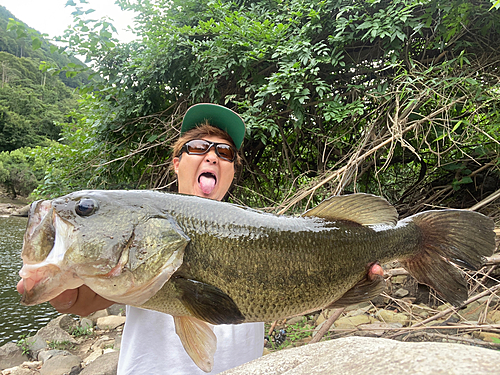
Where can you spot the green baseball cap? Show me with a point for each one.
(218, 116)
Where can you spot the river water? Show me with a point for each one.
(16, 320)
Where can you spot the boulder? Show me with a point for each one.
(61, 364)
(110, 322)
(356, 355)
(11, 355)
(106, 364)
(57, 330)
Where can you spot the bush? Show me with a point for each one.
(18, 175)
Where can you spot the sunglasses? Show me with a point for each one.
(201, 147)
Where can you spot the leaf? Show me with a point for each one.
(36, 43)
(152, 138)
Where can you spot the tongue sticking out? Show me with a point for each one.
(207, 183)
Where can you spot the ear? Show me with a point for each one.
(175, 162)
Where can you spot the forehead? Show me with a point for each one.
(212, 138)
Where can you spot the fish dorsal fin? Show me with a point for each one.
(364, 209)
(198, 339)
(207, 302)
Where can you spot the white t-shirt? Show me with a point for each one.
(150, 346)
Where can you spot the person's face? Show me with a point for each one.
(205, 175)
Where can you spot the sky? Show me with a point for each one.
(52, 17)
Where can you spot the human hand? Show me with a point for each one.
(82, 301)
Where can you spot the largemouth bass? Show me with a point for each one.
(204, 261)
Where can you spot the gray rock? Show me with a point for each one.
(19, 371)
(356, 355)
(22, 211)
(401, 292)
(11, 355)
(36, 344)
(57, 330)
(61, 365)
(116, 309)
(110, 322)
(98, 314)
(106, 364)
(45, 355)
(86, 323)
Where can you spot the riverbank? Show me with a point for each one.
(68, 345)
(9, 206)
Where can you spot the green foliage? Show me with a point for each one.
(337, 96)
(32, 104)
(60, 345)
(18, 39)
(82, 331)
(19, 172)
(25, 343)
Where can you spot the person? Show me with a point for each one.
(204, 159)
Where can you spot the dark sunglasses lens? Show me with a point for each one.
(225, 152)
(197, 147)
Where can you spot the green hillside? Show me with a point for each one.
(33, 103)
(22, 48)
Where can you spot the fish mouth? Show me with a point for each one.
(43, 254)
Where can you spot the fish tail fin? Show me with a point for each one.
(450, 236)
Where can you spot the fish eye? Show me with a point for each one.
(86, 207)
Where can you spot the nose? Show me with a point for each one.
(211, 156)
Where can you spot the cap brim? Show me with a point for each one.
(218, 116)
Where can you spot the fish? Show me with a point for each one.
(207, 262)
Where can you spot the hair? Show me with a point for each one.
(201, 131)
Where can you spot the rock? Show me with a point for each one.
(103, 342)
(116, 309)
(354, 355)
(421, 310)
(17, 371)
(359, 310)
(401, 292)
(472, 311)
(110, 322)
(378, 328)
(61, 365)
(487, 336)
(323, 317)
(21, 211)
(92, 357)
(57, 330)
(364, 306)
(45, 355)
(388, 316)
(11, 355)
(36, 344)
(399, 279)
(349, 322)
(443, 307)
(106, 364)
(98, 314)
(86, 323)
(494, 316)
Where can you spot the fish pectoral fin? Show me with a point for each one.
(365, 290)
(364, 209)
(207, 302)
(198, 339)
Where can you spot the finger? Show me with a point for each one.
(20, 286)
(65, 301)
(82, 301)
